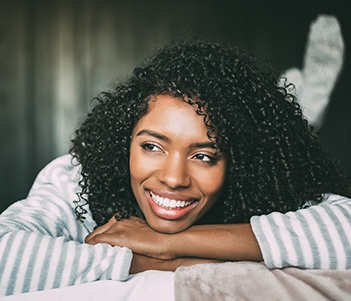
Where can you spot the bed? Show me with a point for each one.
(224, 281)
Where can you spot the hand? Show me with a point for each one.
(135, 234)
(218, 242)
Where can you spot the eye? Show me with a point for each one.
(205, 158)
(150, 147)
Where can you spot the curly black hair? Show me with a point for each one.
(275, 160)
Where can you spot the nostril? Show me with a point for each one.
(175, 175)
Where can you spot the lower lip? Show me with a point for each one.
(166, 213)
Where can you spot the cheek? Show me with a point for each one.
(211, 182)
(136, 170)
(137, 164)
(140, 170)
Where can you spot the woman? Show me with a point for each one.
(189, 157)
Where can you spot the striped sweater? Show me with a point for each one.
(318, 237)
(42, 243)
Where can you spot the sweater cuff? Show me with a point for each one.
(258, 229)
(121, 266)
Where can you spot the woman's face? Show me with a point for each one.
(176, 171)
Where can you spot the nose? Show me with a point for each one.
(174, 172)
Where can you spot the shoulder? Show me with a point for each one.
(330, 198)
(64, 168)
(65, 163)
(62, 174)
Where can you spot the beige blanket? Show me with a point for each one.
(253, 281)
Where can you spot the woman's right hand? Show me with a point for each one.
(135, 234)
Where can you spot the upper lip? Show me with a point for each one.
(172, 195)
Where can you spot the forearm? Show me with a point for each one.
(218, 242)
(42, 262)
(315, 238)
(141, 263)
(222, 242)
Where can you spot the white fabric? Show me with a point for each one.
(146, 286)
(322, 65)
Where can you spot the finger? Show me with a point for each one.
(100, 230)
(107, 238)
(103, 228)
(97, 238)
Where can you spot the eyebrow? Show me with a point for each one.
(157, 135)
(153, 134)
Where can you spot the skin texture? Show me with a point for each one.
(172, 156)
(237, 241)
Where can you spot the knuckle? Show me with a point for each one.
(98, 239)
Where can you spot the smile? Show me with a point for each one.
(169, 203)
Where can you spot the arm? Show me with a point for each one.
(34, 262)
(223, 242)
(41, 242)
(141, 263)
(206, 242)
(317, 237)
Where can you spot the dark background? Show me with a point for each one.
(56, 55)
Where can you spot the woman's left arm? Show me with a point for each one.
(316, 237)
(219, 242)
(224, 242)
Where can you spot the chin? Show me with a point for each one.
(168, 227)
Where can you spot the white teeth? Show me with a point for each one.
(167, 203)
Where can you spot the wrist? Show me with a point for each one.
(170, 247)
(179, 244)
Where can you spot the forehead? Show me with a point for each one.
(174, 117)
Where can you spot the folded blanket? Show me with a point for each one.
(254, 281)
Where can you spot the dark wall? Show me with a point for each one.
(56, 55)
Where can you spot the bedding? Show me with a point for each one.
(225, 281)
(146, 286)
(254, 281)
